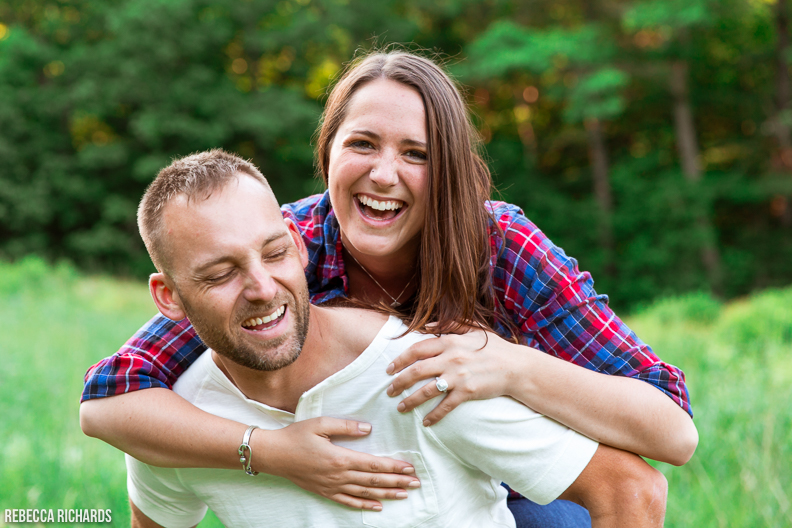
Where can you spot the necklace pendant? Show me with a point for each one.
(395, 304)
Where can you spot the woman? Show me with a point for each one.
(404, 222)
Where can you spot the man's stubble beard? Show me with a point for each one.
(242, 353)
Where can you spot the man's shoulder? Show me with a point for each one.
(191, 382)
(357, 327)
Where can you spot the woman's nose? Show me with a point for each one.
(385, 173)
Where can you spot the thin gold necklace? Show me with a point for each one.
(395, 303)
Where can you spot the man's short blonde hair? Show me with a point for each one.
(195, 176)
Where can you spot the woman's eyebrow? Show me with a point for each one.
(364, 132)
(374, 135)
(413, 143)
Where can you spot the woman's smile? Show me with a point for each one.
(379, 209)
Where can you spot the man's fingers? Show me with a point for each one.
(422, 350)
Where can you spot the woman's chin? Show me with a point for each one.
(382, 244)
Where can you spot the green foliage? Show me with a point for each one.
(740, 392)
(506, 46)
(696, 307)
(96, 97)
(669, 13)
(761, 322)
(597, 96)
(32, 274)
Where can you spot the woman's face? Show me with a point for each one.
(377, 171)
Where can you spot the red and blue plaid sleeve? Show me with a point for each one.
(154, 357)
(556, 308)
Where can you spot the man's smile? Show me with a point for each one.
(265, 322)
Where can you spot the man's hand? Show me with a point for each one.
(620, 490)
(303, 454)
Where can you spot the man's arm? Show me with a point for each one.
(140, 520)
(159, 498)
(545, 460)
(619, 489)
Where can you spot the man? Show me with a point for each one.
(230, 263)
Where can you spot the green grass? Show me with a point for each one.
(737, 359)
(54, 324)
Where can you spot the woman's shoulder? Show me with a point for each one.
(314, 217)
(310, 207)
(511, 220)
(517, 243)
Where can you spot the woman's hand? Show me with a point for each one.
(476, 366)
(159, 427)
(622, 412)
(303, 454)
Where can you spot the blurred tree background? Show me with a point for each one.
(650, 139)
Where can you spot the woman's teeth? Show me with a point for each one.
(255, 321)
(390, 205)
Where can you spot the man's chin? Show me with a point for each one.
(266, 357)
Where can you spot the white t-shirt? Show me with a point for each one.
(460, 461)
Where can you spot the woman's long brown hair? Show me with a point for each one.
(454, 273)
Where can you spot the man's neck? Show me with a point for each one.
(329, 347)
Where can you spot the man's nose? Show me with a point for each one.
(259, 285)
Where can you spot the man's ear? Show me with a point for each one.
(298, 240)
(165, 297)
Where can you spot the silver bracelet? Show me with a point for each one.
(246, 452)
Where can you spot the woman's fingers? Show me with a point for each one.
(474, 368)
(356, 502)
(368, 492)
(422, 350)
(349, 477)
(455, 394)
(448, 404)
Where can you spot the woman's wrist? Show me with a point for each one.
(520, 368)
(263, 443)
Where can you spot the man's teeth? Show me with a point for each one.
(255, 321)
(380, 206)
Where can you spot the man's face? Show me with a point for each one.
(237, 271)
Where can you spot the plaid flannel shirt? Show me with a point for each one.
(552, 303)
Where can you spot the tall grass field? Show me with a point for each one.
(737, 357)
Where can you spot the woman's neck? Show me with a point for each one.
(381, 278)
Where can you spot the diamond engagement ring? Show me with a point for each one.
(441, 384)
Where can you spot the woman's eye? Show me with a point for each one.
(417, 154)
(360, 144)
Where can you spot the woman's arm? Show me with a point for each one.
(626, 413)
(625, 396)
(158, 427)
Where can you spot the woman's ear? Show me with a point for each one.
(165, 297)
